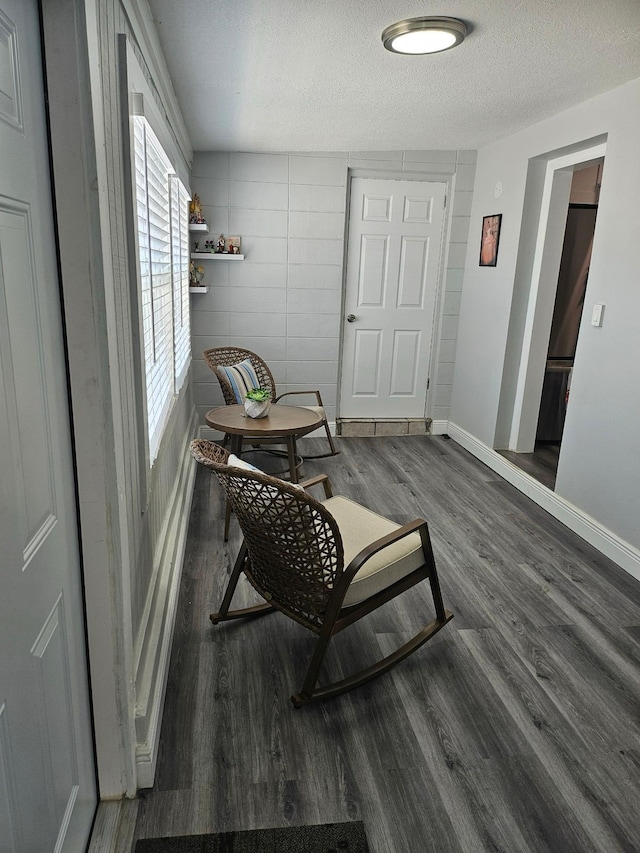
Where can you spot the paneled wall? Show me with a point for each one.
(132, 519)
(284, 300)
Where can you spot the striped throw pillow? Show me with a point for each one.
(242, 378)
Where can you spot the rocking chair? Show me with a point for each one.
(232, 383)
(323, 564)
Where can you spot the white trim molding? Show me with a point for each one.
(154, 652)
(612, 546)
(145, 33)
(439, 427)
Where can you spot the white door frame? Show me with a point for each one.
(542, 293)
(75, 126)
(418, 177)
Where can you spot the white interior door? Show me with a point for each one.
(393, 257)
(47, 773)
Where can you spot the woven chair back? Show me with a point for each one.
(228, 357)
(294, 544)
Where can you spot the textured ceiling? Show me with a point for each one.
(312, 75)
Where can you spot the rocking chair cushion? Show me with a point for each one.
(237, 462)
(360, 527)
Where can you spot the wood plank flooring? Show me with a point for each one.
(542, 464)
(517, 728)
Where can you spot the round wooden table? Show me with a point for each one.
(283, 425)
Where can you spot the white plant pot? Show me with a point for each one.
(257, 408)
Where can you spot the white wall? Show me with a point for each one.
(284, 301)
(599, 467)
(132, 520)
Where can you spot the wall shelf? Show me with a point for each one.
(201, 288)
(215, 256)
(198, 226)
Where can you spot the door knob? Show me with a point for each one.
(351, 318)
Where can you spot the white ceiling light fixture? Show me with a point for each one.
(424, 35)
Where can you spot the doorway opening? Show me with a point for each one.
(542, 461)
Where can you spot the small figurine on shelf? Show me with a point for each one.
(195, 211)
(209, 246)
(196, 274)
(220, 248)
(233, 245)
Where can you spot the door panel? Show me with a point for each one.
(413, 271)
(366, 376)
(47, 776)
(21, 332)
(373, 270)
(393, 257)
(406, 349)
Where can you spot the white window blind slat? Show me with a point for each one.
(180, 272)
(163, 241)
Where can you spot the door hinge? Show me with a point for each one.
(428, 383)
(445, 200)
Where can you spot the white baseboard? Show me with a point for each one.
(155, 652)
(439, 427)
(209, 434)
(612, 546)
(105, 828)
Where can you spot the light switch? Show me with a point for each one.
(596, 317)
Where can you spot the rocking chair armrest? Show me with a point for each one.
(288, 393)
(361, 558)
(314, 481)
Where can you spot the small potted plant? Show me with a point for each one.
(257, 403)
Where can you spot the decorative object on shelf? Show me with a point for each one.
(233, 245)
(223, 247)
(257, 403)
(196, 274)
(214, 256)
(490, 239)
(195, 211)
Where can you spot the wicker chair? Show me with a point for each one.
(324, 564)
(228, 356)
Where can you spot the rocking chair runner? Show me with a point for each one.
(325, 565)
(231, 356)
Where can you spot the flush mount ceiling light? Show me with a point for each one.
(424, 35)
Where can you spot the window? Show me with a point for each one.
(180, 276)
(163, 250)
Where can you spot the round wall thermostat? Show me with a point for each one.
(497, 190)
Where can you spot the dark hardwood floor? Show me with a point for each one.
(517, 728)
(542, 464)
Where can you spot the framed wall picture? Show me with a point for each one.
(490, 239)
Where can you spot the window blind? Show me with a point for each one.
(163, 244)
(180, 273)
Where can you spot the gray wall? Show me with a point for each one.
(284, 300)
(130, 553)
(145, 502)
(599, 466)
